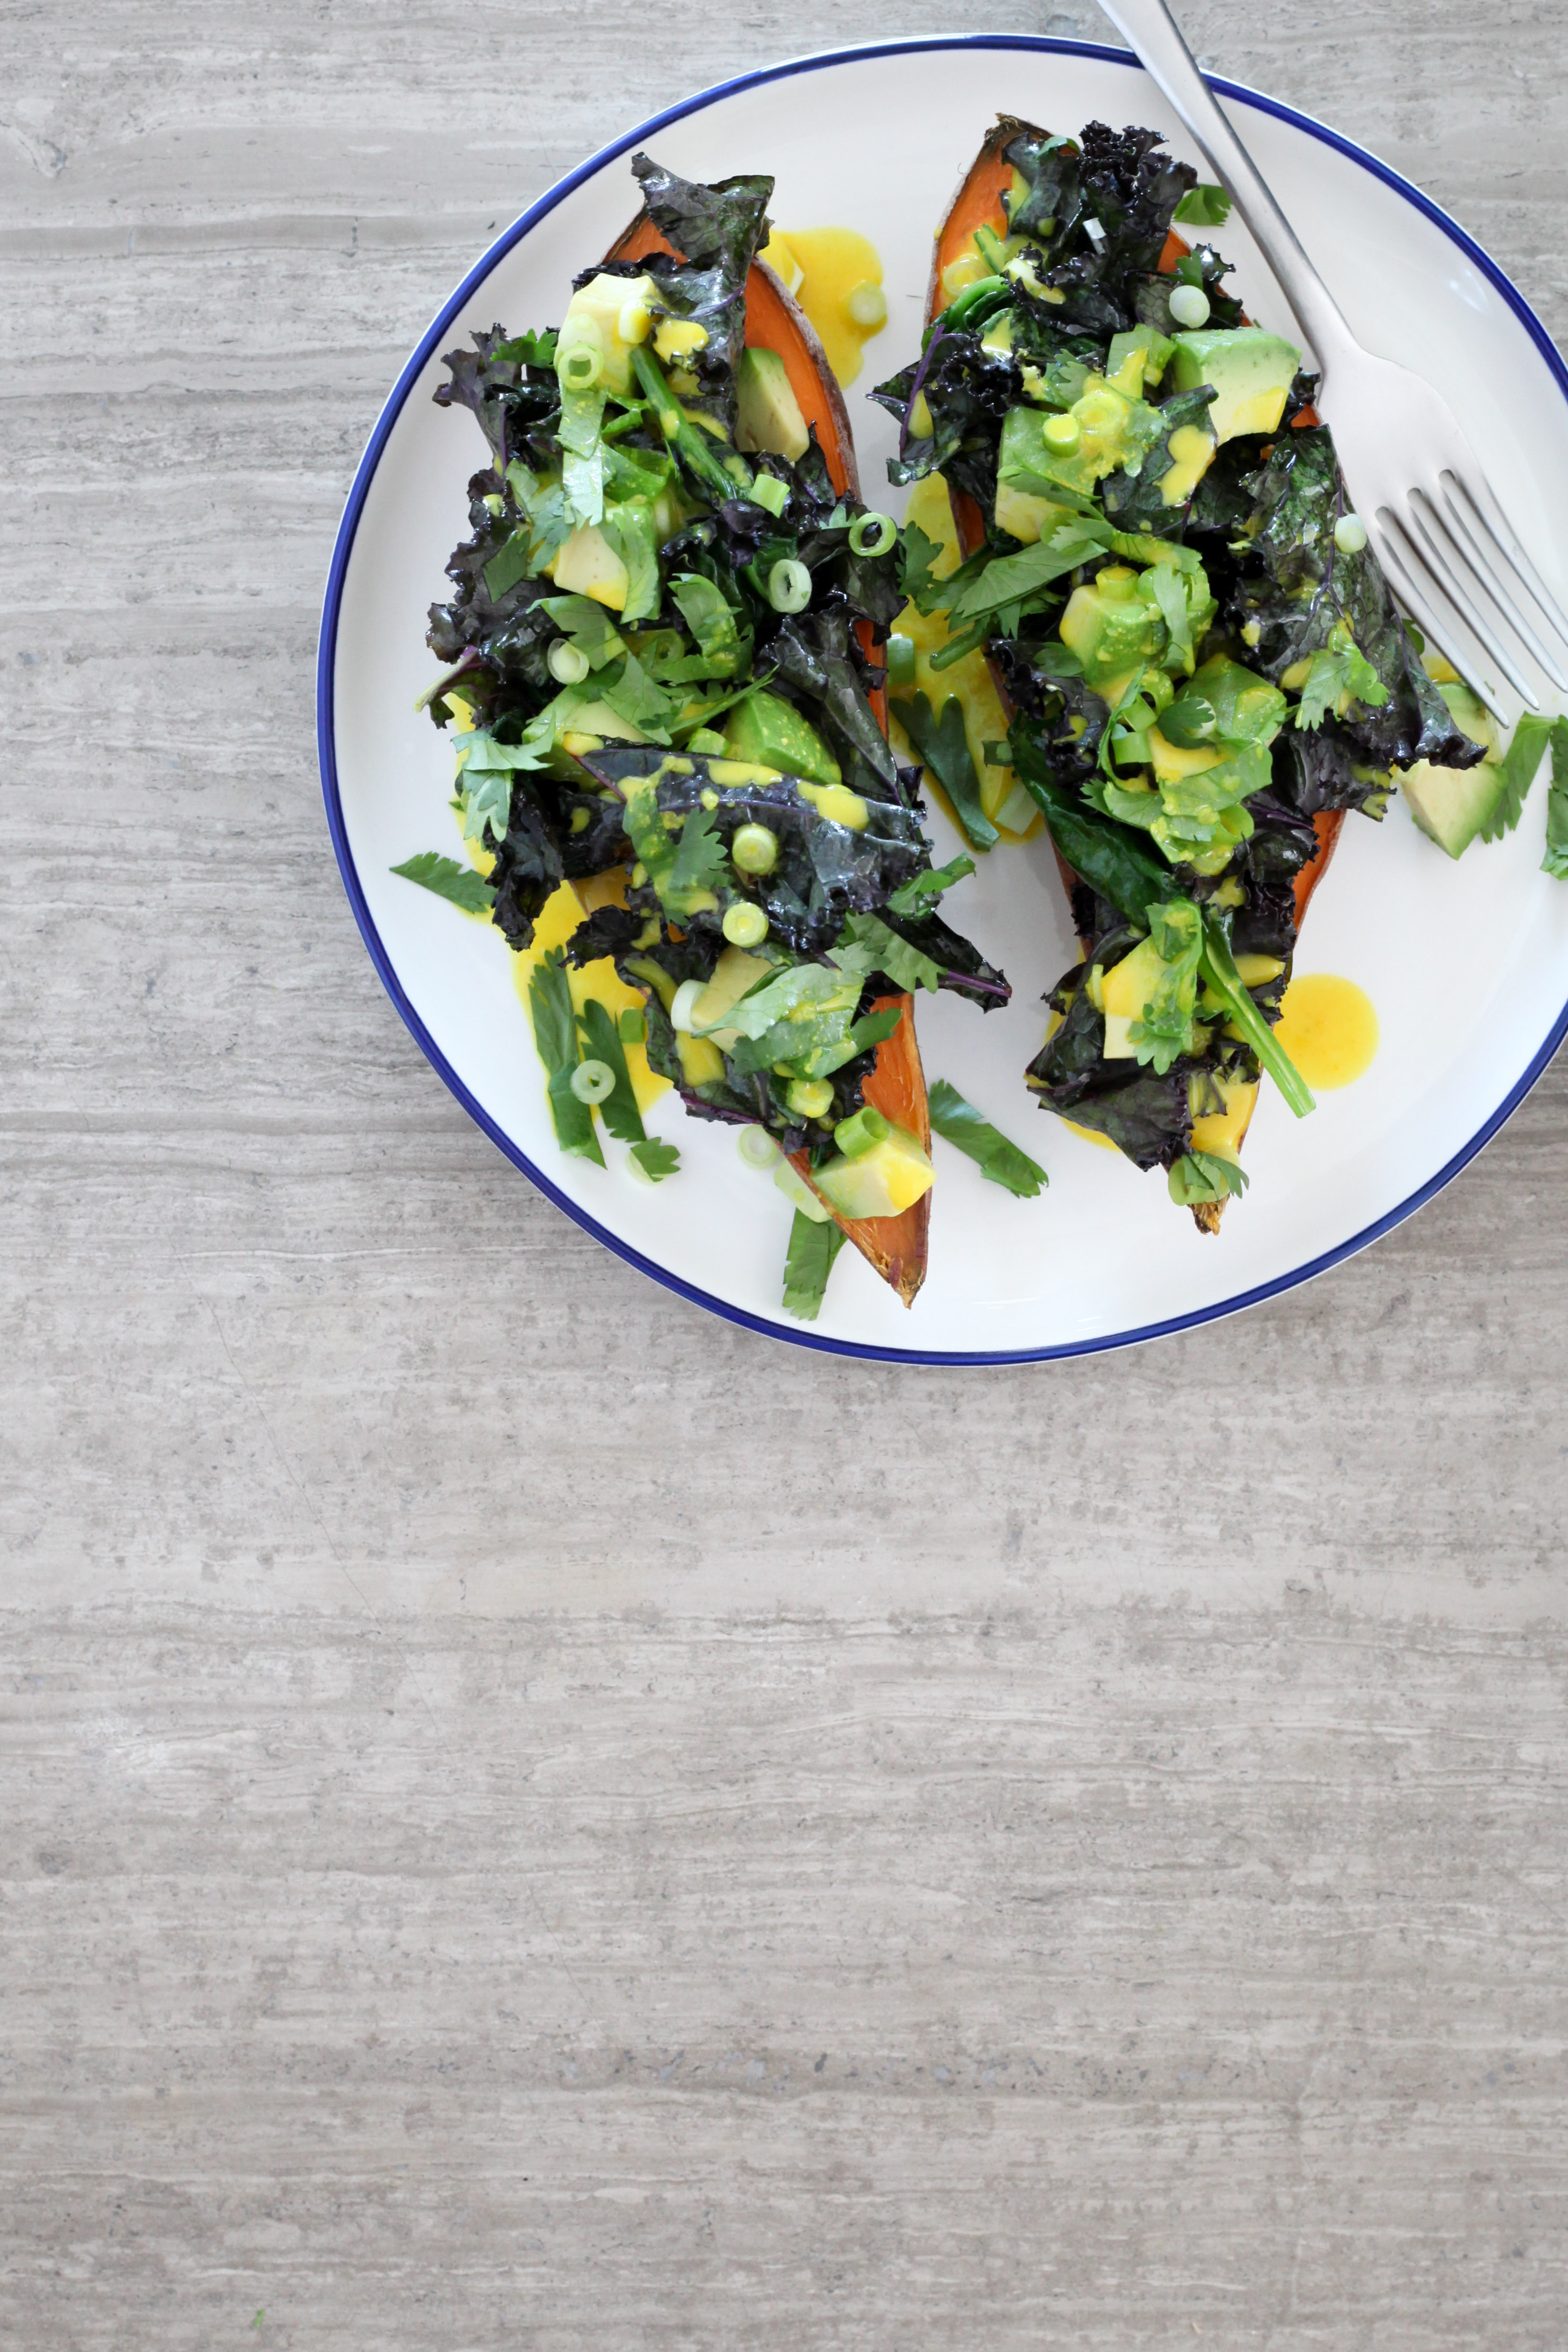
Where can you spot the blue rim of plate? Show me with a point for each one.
(798, 1335)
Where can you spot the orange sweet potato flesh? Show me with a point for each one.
(895, 1247)
(978, 204)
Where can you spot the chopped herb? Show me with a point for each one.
(918, 892)
(461, 884)
(555, 1034)
(655, 1159)
(1001, 1162)
(1204, 206)
(812, 1251)
(943, 748)
(619, 1108)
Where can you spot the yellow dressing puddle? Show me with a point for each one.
(1328, 1028)
(1005, 802)
(824, 268)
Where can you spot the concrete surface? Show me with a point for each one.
(508, 1839)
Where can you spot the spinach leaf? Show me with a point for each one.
(555, 1035)
(944, 750)
(619, 1108)
(461, 884)
(813, 1248)
(1111, 860)
(1001, 1162)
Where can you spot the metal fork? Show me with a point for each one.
(1434, 522)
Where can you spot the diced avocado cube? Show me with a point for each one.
(1126, 989)
(1452, 804)
(768, 414)
(587, 565)
(1110, 633)
(1251, 372)
(768, 732)
(881, 1182)
(595, 315)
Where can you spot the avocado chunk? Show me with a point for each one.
(768, 414)
(1115, 429)
(1250, 369)
(1110, 628)
(1451, 806)
(587, 565)
(768, 732)
(593, 316)
(881, 1182)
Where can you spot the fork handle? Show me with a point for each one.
(1150, 31)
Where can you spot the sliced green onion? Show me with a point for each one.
(789, 586)
(745, 924)
(591, 1082)
(580, 368)
(866, 305)
(900, 660)
(809, 1097)
(757, 1148)
(767, 490)
(1189, 306)
(862, 1133)
(755, 849)
(873, 534)
(1061, 435)
(566, 662)
(1350, 534)
(682, 1004)
(799, 1194)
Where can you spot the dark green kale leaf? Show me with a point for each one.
(1296, 588)
(815, 653)
(528, 870)
(968, 391)
(511, 390)
(717, 231)
(1146, 1115)
(1133, 501)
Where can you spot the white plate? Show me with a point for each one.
(1466, 964)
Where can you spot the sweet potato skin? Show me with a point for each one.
(895, 1247)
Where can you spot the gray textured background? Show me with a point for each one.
(737, 1848)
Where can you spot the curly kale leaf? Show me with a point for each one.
(512, 389)
(1304, 596)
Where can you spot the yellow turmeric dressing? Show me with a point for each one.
(1006, 802)
(1328, 1028)
(824, 268)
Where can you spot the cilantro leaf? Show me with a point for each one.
(655, 1159)
(555, 1034)
(528, 350)
(461, 884)
(1204, 206)
(619, 1108)
(995, 1157)
(1523, 759)
(943, 748)
(513, 561)
(702, 862)
(588, 626)
(1339, 669)
(486, 801)
(812, 1251)
(918, 558)
(912, 896)
(1202, 1177)
(1163, 1031)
